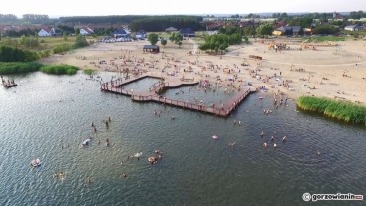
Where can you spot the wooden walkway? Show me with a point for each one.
(224, 110)
(8, 84)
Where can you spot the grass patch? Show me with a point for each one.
(340, 110)
(18, 67)
(49, 43)
(60, 49)
(360, 33)
(59, 69)
(326, 38)
(88, 71)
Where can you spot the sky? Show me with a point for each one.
(57, 8)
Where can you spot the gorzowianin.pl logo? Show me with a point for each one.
(339, 196)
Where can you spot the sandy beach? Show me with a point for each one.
(335, 70)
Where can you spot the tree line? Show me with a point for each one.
(26, 32)
(115, 19)
(127, 19)
(35, 17)
(357, 15)
(8, 18)
(160, 23)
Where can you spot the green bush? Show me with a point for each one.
(88, 71)
(11, 54)
(80, 42)
(18, 67)
(62, 48)
(340, 110)
(59, 69)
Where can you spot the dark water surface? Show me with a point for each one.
(47, 112)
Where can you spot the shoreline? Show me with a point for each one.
(325, 71)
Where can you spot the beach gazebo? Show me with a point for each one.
(151, 48)
(171, 29)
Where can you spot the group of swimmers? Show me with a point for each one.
(106, 122)
(265, 144)
(158, 156)
(237, 122)
(59, 175)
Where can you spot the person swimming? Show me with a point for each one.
(89, 180)
(265, 145)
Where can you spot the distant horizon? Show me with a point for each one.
(203, 15)
(69, 8)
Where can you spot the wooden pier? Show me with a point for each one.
(8, 84)
(224, 110)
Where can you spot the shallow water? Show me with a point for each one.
(47, 112)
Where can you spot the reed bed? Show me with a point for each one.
(59, 69)
(337, 109)
(18, 67)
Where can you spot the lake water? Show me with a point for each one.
(47, 112)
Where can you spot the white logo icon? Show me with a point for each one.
(306, 197)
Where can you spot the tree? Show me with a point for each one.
(264, 29)
(163, 42)
(172, 37)
(249, 31)
(29, 42)
(249, 16)
(326, 29)
(80, 41)
(284, 15)
(64, 36)
(301, 31)
(178, 38)
(77, 31)
(153, 38)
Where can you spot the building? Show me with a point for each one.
(86, 31)
(141, 34)
(151, 48)
(45, 32)
(187, 32)
(287, 30)
(121, 33)
(171, 30)
(354, 27)
(337, 16)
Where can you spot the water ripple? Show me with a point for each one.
(49, 116)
